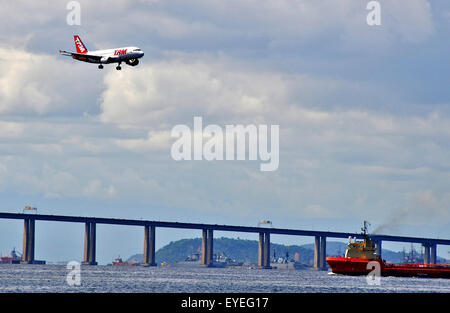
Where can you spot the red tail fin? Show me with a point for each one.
(81, 48)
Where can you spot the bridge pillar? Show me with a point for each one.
(90, 238)
(93, 244)
(87, 238)
(267, 250)
(207, 247)
(210, 248)
(261, 250)
(323, 253)
(433, 254)
(316, 252)
(204, 242)
(28, 241)
(264, 251)
(149, 246)
(426, 254)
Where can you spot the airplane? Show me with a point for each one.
(129, 55)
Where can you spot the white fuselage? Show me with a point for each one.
(116, 55)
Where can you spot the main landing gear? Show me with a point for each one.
(117, 68)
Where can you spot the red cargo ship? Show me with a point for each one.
(12, 258)
(360, 253)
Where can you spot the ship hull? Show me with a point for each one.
(417, 270)
(350, 266)
(355, 266)
(8, 260)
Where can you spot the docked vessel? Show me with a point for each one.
(222, 260)
(192, 260)
(360, 253)
(12, 258)
(218, 260)
(286, 263)
(119, 262)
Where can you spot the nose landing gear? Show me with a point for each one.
(118, 67)
(100, 66)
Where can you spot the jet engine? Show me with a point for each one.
(132, 62)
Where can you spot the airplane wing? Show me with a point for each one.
(81, 56)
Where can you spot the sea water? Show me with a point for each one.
(137, 279)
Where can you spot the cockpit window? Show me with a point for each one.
(137, 50)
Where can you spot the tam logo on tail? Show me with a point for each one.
(81, 48)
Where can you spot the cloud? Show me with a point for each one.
(164, 93)
(320, 149)
(421, 207)
(278, 20)
(320, 145)
(412, 20)
(334, 85)
(10, 129)
(156, 141)
(33, 83)
(95, 188)
(82, 143)
(273, 25)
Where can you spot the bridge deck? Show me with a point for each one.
(247, 229)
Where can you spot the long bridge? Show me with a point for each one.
(89, 258)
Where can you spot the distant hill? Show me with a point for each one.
(239, 249)
(247, 250)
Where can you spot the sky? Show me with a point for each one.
(363, 113)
